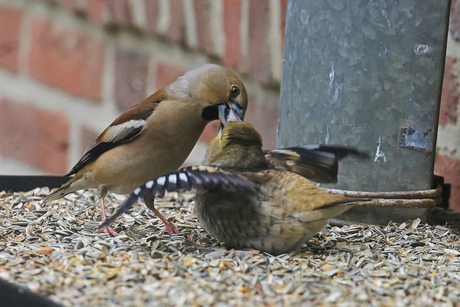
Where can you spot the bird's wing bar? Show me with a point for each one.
(195, 177)
(120, 134)
(123, 129)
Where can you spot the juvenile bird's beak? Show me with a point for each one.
(229, 113)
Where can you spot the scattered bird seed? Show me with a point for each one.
(54, 249)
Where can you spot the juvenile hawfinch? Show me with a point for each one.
(155, 136)
(319, 163)
(277, 212)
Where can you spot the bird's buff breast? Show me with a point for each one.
(134, 168)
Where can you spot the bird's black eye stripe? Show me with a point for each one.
(235, 90)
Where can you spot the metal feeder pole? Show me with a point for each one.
(367, 74)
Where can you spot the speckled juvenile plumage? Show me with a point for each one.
(288, 210)
(283, 216)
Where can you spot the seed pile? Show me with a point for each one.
(53, 250)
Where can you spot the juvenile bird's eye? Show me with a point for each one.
(235, 90)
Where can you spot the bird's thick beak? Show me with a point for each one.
(230, 113)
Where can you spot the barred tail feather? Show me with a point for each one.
(196, 177)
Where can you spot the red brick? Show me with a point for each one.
(167, 74)
(449, 168)
(96, 10)
(130, 78)
(152, 10)
(203, 25)
(454, 22)
(176, 32)
(87, 137)
(119, 12)
(69, 60)
(264, 118)
(259, 65)
(35, 136)
(232, 21)
(10, 23)
(449, 97)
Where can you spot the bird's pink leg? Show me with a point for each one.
(169, 227)
(107, 229)
(150, 203)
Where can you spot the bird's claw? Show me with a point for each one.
(109, 231)
(169, 227)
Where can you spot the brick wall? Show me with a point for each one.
(69, 67)
(448, 145)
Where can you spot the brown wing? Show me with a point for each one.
(314, 162)
(123, 129)
(286, 194)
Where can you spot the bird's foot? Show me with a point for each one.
(109, 231)
(169, 227)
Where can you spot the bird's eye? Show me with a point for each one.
(235, 90)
